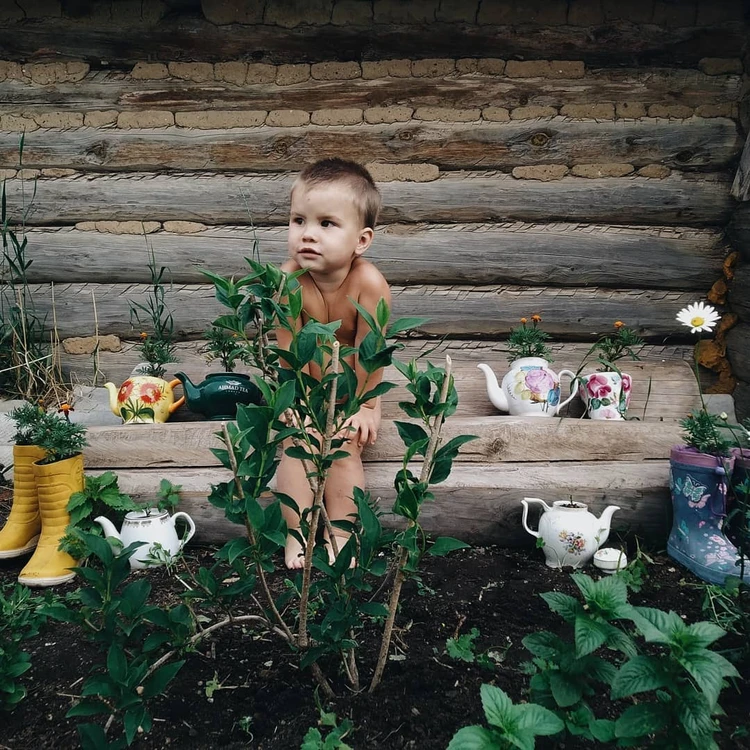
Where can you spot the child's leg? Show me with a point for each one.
(293, 482)
(344, 476)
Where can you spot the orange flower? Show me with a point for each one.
(536, 318)
(619, 324)
(524, 321)
(144, 335)
(151, 393)
(65, 408)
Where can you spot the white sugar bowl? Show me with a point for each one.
(609, 560)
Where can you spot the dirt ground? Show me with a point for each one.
(265, 702)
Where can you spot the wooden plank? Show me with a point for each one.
(189, 38)
(112, 91)
(742, 399)
(695, 144)
(456, 311)
(481, 505)
(682, 199)
(741, 184)
(500, 439)
(664, 384)
(511, 254)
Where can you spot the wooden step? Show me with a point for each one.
(479, 504)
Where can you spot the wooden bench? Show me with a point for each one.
(601, 463)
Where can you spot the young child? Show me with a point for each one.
(334, 208)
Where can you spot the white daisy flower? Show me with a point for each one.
(698, 317)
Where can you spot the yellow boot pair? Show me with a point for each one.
(38, 517)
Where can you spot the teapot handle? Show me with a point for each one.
(525, 502)
(573, 391)
(191, 527)
(178, 403)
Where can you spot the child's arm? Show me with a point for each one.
(367, 420)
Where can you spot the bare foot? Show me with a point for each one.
(294, 554)
(340, 542)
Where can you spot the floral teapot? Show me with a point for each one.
(143, 399)
(157, 527)
(529, 389)
(571, 534)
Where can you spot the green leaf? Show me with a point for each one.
(538, 720)
(705, 633)
(117, 664)
(445, 544)
(132, 719)
(708, 670)
(497, 706)
(474, 738)
(88, 707)
(373, 609)
(543, 644)
(564, 690)
(566, 606)
(158, 681)
(410, 432)
(404, 324)
(641, 720)
(657, 626)
(602, 730)
(638, 675)
(589, 635)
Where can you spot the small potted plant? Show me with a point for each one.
(530, 388)
(699, 476)
(218, 396)
(21, 531)
(58, 474)
(606, 392)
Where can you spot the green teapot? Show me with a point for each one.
(219, 394)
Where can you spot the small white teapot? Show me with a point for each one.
(570, 533)
(529, 389)
(154, 528)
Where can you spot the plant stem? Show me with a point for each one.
(317, 503)
(251, 534)
(398, 581)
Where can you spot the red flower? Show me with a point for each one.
(125, 390)
(598, 386)
(151, 393)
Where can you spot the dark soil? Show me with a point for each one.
(424, 699)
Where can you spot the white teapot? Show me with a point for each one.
(529, 389)
(154, 528)
(571, 534)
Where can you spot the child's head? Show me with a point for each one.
(353, 176)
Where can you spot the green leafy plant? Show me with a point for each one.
(528, 340)
(157, 347)
(28, 417)
(510, 725)
(20, 619)
(334, 740)
(58, 437)
(463, 647)
(225, 346)
(101, 496)
(702, 432)
(611, 348)
(635, 573)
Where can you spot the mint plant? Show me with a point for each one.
(510, 725)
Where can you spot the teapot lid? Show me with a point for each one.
(569, 505)
(141, 515)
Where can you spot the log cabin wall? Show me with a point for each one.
(572, 159)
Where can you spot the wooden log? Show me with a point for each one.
(500, 439)
(682, 199)
(739, 292)
(193, 38)
(512, 254)
(664, 385)
(739, 230)
(742, 400)
(109, 90)
(695, 144)
(456, 311)
(741, 184)
(481, 505)
(738, 350)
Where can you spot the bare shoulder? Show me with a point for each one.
(366, 279)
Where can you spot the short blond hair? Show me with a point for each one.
(365, 193)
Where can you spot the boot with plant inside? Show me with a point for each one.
(21, 531)
(56, 482)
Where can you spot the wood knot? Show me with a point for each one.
(97, 152)
(539, 139)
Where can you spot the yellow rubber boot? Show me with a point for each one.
(21, 530)
(55, 483)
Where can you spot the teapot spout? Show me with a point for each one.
(605, 521)
(192, 393)
(113, 390)
(110, 532)
(494, 391)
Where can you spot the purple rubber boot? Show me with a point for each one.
(698, 482)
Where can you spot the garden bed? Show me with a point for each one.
(425, 697)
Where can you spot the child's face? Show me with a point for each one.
(325, 228)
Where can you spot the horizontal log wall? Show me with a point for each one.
(580, 168)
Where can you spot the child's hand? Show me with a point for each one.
(365, 424)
